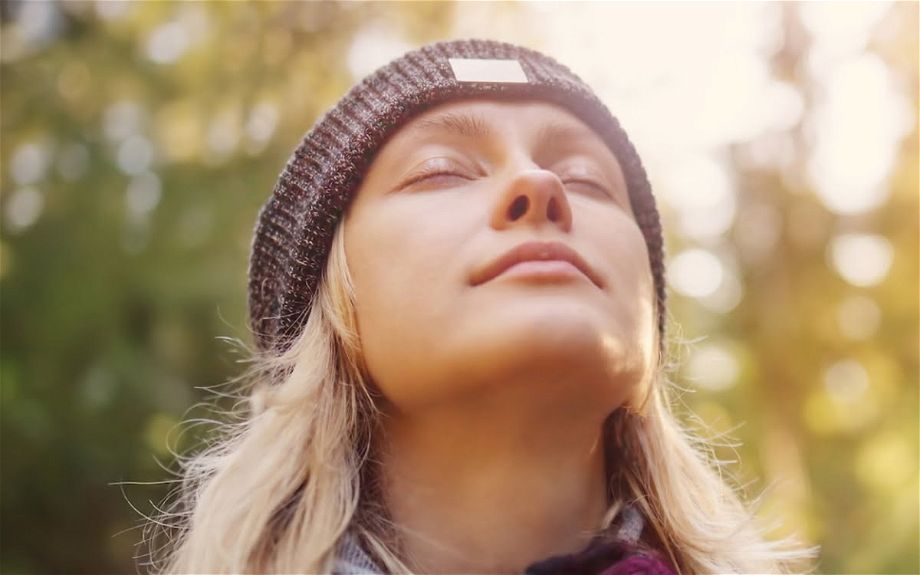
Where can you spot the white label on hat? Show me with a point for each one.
(480, 70)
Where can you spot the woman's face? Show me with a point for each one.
(446, 307)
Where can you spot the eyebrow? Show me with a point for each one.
(465, 125)
(561, 132)
(475, 126)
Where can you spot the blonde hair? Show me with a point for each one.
(291, 471)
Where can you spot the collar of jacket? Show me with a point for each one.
(604, 555)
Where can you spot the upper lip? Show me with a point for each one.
(536, 251)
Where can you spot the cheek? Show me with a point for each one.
(633, 287)
(621, 250)
(407, 283)
(639, 323)
(400, 265)
(632, 293)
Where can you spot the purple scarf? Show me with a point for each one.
(619, 552)
(604, 557)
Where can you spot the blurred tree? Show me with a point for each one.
(138, 140)
(822, 348)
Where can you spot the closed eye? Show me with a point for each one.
(443, 173)
(435, 175)
(591, 185)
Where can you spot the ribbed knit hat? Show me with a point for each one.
(295, 228)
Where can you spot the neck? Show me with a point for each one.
(484, 487)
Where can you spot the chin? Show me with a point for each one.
(559, 327)
(555, 344)
(572, 339)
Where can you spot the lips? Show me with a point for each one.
(536, 251)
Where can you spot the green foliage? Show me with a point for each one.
(114, 300)
(137, 148)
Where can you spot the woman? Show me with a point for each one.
(457, 294)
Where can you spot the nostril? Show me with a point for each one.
(518, 207)
(552, 210)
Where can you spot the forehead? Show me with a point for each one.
(493, 119)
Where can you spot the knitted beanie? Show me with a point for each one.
(295, 227)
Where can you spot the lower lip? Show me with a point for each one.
(543, 270)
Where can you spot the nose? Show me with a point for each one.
(532, 198)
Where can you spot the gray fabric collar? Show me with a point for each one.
(351, 559)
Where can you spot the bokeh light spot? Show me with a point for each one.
(142, 195)
(700, 189)
(846, 381)
(167, 43)
(30, 163)
(122, 120)
(373, 47)
(861, 259)
(23, 208)
(695, 273)
(135, 155)
(855, 150)
(713, 366)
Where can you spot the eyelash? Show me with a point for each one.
(434, 171)
(591, 183)
(431, 172)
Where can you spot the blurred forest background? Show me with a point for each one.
(140, 139)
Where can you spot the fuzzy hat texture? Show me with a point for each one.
(295, 227)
